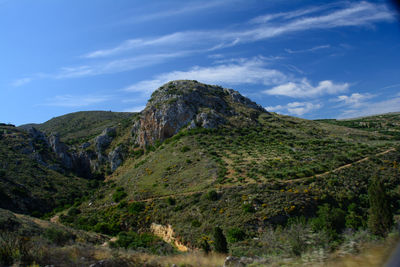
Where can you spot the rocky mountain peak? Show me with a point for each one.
(182, 103)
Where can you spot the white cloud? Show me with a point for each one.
(179, 10)
(75, 101)
(354, 100)
(312, 49)
(115, 66)
(372, 108)
(295, 108)
(21, 82)
(304, 89)
(265, 27)
(253, 71)
(134, 109)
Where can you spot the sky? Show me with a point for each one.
(309, 59)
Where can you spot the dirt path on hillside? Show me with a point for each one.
(339, 168)
(283, 181)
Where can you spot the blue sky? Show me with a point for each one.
(311, 59)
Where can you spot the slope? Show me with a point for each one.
(207, 156)
(81, 126)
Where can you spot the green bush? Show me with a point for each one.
(136, 207)
(329, 219)
(107, 228)
(353, 219)
(134, 240)
(220, 244)
(196, 223)
(119, 194)
(380, 218)
(248, 208)
(235, 234)
(58, 237)
(212, 195)
(185, 149)
(171, 201)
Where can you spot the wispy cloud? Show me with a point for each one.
(71, 101)
(21, 81)
(295, 108)
(372, 108)
(354, 100)
(264, 27)
(304, 89)
(134, 109)
(182, 9)
(246, 71)
(313, 49)
(118, 65)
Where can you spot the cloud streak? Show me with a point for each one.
(72, 101)
(264, 27)
(305, 89)
(295, 108)
(245, 71)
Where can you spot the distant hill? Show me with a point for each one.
(81, 126)
(388, 124)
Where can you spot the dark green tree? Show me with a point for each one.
(205, 246)
(220, 243)
(380, 218)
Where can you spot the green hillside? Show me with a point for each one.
(81, 126)
(388, 124)
(201, 156)
(32, 179)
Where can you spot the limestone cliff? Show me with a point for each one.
(182, 103)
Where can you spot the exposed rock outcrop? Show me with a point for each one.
(178, 104)
(167, 234)
(115, 158)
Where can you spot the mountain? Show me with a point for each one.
(200, 156)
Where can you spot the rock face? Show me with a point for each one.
(115, 158)
(178, 104)
(61, 150)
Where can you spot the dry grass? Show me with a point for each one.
(194, 259)
(370, 256)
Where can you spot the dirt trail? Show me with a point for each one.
(283, 181)
(339, 168)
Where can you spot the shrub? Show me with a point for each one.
(212, 195)
(353, 220)
(185, 149)
(73, 211)
(58, 237)
(235, 234)
(119, 194)
(380, 218)
(134, 240)
(106, 228)
(220, 244)
(329, 219)
(136, 207)
(196, 223)
(248, 208)
(171, 201)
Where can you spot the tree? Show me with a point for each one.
(205, 246)
(220, 243)
(380, 218)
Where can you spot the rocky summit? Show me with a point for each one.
(191, 104)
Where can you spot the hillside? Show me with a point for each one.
(200, 156)
(81, 126)
(388, 124)
(242, 168)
